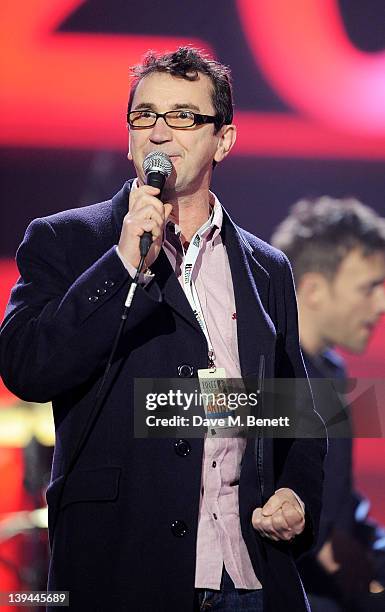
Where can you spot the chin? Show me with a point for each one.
(359, 347)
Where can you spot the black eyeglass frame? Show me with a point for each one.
(198, 119)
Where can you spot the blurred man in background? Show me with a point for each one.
(337, 250)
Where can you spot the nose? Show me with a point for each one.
(378, 300)
(381, 299)
(160, 132)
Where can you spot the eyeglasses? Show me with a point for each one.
(178, 119)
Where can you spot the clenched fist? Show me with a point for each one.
(281, 518)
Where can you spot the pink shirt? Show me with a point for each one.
(219, 538)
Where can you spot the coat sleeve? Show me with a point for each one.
(58, 329)
(302, 470)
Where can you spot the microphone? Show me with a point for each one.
(157, 167)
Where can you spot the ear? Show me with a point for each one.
(312, 289)
(226, 139)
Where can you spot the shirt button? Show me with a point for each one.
(93, 298)
(179, 529)
(185, 371)
(215, 516)
(182, 448)
(214, 464)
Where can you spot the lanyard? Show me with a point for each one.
(189, 288)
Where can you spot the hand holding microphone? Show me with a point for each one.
(143, 225)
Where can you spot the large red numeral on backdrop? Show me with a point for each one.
(70, 90)
(64, 89)
(302, 48)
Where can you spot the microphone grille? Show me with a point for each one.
(157, 161)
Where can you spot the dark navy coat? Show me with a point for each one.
(357, 541)
(116, 546)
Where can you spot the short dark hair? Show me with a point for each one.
(187, 63)
(318, 234)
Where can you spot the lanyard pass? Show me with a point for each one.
(191, 293)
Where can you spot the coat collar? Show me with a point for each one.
(251, 288)
(251, 282)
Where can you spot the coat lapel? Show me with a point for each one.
(256, 331)
(172, 291)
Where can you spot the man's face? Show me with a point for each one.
(354, 301)
(192, 150)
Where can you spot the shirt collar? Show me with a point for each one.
(216, 217)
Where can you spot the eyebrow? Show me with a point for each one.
(151, 106)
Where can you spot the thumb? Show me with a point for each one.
(272, 505)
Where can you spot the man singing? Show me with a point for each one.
(164, 524)
(337, 250)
